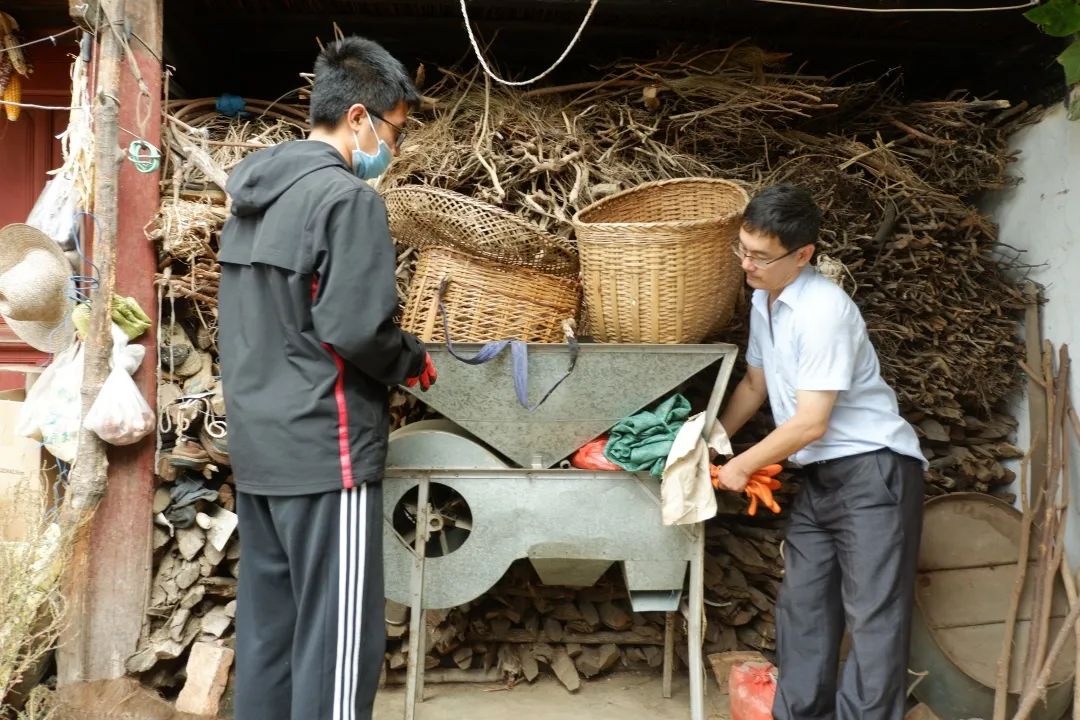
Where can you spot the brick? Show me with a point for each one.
(207, 675)
(920, 712)
(723, 662)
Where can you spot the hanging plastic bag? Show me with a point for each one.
(120, 414)
(591, 456)
(752, 688)
(54, 211)
(53, 406)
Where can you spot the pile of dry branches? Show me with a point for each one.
(896, 181)
(202, 147)
(1044, 495)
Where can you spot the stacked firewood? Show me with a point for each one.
(897, 181)
(522, 629)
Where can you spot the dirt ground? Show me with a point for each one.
(623, 696)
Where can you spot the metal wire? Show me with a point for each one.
(825, 6)
(530, 81)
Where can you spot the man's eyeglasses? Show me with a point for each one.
(399, 140)
(757, 262)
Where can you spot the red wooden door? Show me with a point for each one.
(28, 151)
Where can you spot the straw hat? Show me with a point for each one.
(34, 278)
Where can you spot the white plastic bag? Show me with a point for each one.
(120, 415)
(54, 211)
(52, 409)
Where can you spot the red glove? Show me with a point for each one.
(427, 376)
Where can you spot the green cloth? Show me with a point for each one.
(126, 313)
(643, 441)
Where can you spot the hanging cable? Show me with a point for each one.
(541, 76)
(44, 107)
(824, 6)
(47, 38)
(83, 285)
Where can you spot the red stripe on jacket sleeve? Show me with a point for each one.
(344, 455)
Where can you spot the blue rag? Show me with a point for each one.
(231, 106)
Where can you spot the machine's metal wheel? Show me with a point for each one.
(450, 519)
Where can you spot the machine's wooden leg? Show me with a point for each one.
(694, 634)
(414, 678)
(669, 651)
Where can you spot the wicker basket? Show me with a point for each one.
(485, 301)
(423, 217)
(656, 261)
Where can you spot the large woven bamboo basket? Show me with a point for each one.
(422, 217)
(485, 301)
(657, 263)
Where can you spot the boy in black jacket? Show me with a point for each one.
(308, 348)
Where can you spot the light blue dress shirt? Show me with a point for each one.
(815, 339)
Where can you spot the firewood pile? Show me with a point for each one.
(896, 180)
(522, 627)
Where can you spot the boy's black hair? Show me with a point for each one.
(357, 70)
(787, 212)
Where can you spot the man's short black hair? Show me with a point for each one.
(357, 70)
(787, 212)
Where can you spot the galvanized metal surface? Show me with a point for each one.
(562, 518)
(610, 382)
(572, 525)
(414, 683)
(438, 445)
(967, 566)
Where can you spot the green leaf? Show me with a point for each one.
(1059, 18)
(1070, 60)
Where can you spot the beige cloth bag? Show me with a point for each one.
(686, 492)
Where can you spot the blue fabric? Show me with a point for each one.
(519, 358)
(231, 106)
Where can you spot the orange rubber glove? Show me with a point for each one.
(427, 376)
(759, 488)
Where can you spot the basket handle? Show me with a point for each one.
(519, 355)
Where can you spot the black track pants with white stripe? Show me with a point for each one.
(310, 636)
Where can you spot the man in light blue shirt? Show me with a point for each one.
(852, 542)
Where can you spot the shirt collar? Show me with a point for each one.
(789, 295)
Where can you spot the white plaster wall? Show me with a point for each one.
(1042, 217)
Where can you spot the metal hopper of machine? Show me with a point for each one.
(466, 496)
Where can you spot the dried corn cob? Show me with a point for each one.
(13, 94)
(6, 70)
(10, 41)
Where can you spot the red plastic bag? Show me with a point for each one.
(591, 456)
(752, 687)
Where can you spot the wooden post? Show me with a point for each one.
(669, 653)
(1035, 392)
(109, 504)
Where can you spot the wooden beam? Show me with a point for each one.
(1037, 421)
(110, 580)
(85, 13)
(87, 481)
